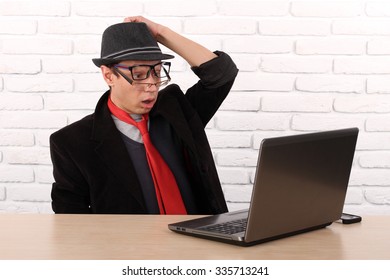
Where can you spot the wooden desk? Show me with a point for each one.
(108, 237)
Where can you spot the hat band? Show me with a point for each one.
(134, 51)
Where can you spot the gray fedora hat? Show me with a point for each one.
(128, 41)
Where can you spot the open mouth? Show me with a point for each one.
(148, 103)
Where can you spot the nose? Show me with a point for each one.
(151, 81)
(150, 85)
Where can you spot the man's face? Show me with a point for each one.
(133, 98)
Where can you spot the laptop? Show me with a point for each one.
(300, 185)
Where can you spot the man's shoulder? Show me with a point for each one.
(76, 129)
(168, 94)
(173, 90)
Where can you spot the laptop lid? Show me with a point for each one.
(301, 182)
(300, 185)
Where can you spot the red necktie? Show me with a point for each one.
(167, 192)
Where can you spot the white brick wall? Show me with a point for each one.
(304, 66)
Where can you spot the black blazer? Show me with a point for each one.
(92, 169)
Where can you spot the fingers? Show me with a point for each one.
(134, 19)
(153, 27)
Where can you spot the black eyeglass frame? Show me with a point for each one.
(133, 83)
(164, 65)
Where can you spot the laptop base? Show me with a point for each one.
(247, 244)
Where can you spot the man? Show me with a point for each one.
(144, 151)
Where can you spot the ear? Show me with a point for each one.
(108, 75)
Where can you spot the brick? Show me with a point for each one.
(88, 44)
(220, 26)
(44, 208)
(296, 103)
(11, 137)
(311, 122)
(370, 65)
(42, 136)
(361, 27)
(220, 139)
(18, 27)
(375, 160)
(254, 8)
(72, 26)
(107, 8)
(181, 8)
(34, 8)
(370, 177)
(374, 141)
(365, 209)
(378, 9)
(362, 104)
(331, 45)
(2, 193)
(294, 27)
(378, 84)
(378, 46)
(31, 193)
(251, 121)
(71, 101)
(27, 156)
(257, 44)
(328, 83)
(246, 62)
(40, 83)
(263, 82)
(230, 175)
(18, 207)
(378, 195)
(90, 83)
(73, 64)
(16, 64)
(37, 45)
(238, 193)
(44, 174)
(237, 157)
(32, 120)
(18, 174)
(378, 123)
(329, 9)
(275, 64)
(20, 102)
(354, 196)
(241, 102)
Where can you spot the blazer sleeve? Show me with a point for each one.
(70, 190)
(216, 79)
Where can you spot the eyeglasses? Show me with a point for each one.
(143, 86)
(143, 71)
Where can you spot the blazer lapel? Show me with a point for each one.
(169, 108)
(112, 151)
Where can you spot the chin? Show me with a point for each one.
(145, 111)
